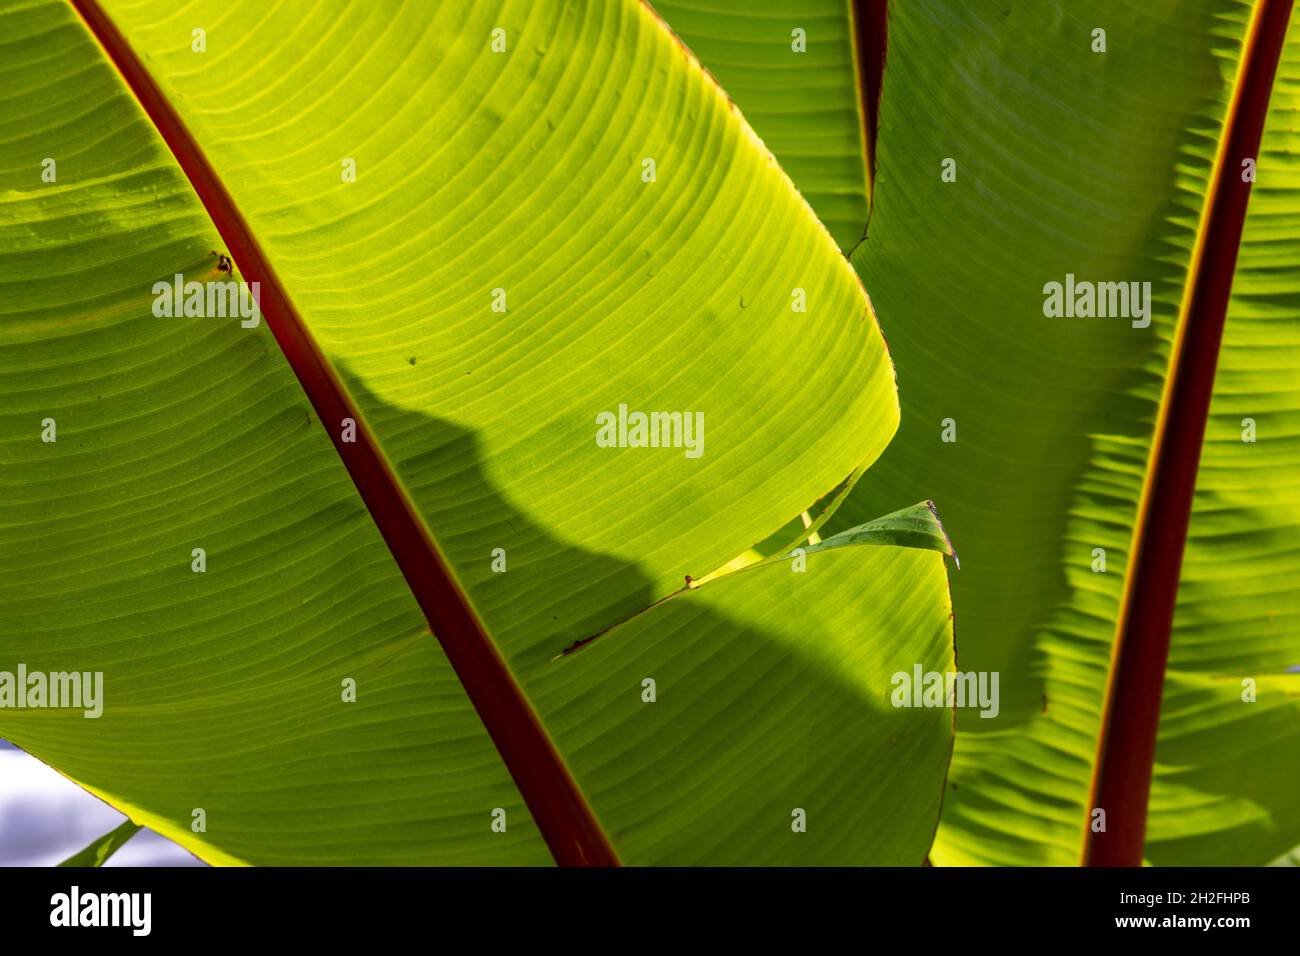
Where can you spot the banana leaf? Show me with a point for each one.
(476, 230)
(1020, 144)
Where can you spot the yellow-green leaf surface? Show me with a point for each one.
(481, 177)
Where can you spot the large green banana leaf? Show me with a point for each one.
(129, 441)
(1227, 780)
(1068, 159)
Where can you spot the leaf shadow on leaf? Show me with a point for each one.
(750, 722)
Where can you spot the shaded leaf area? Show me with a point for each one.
(1068, 162)
(789, 66)
(224, 690)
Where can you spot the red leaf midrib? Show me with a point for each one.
(561, 812)
(1131, 716)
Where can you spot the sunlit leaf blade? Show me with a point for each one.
(536, 188)
(222, 689)
(1227, 783)
(476, 171)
